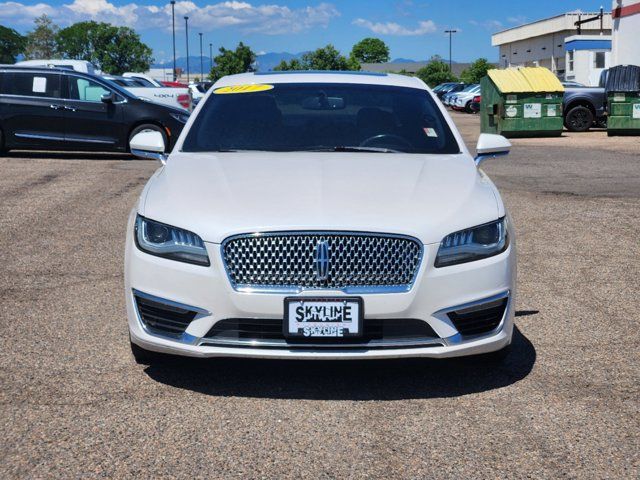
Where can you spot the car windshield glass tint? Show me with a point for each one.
(322, 117)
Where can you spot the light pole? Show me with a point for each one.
(186, 27)
(201, 63)
(210, 56)
(450, 32)
(173, 29)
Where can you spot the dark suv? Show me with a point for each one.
(60, 109)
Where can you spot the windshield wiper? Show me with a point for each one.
(346, 148)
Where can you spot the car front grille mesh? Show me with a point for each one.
(290, 260)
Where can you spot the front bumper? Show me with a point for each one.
(207, 290)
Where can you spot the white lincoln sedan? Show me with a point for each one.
(319, 215)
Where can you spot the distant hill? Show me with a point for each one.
(409, 60)
(265, 62)
(403, 60)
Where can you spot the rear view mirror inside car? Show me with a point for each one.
(323, 102)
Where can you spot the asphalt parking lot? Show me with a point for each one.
(565, 404)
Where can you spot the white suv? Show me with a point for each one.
(319, 216)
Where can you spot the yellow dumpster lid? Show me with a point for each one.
(525, 79)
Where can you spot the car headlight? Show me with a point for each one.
(166, 241)
(473, 244)
(180, 117)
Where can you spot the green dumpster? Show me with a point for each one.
(623, 99)
(521, 102)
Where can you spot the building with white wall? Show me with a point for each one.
(542, 43)
(626, 32)
(586, 56)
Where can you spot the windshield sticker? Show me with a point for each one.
(430, 132)
(39, 84)
(242, 89)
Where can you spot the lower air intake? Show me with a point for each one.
(164, 318)
(479, 318)
(377, 333)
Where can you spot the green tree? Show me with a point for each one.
(113, 49)
(11, 44)
(230, 62)
(293, 64)
(41, 41)
(436, 72)
(325, 58)
(476, 71)
(370, 50)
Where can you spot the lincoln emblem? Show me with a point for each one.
(321, 260)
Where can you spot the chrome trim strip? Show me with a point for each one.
(160, 157)
(88, 140)
(184, 337)
(283, 344)
(171, 303)
(383, 289)
(39, 137)
(458, 338)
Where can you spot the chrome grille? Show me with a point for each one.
(291, 261)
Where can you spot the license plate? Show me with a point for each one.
(323, 317)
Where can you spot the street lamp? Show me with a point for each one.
(186, 26)
(173, 29)
(201, 64)
(210, 56)
(450, 32)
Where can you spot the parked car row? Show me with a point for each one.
(48, 108)
(458, 96)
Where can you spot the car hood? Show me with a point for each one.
(220, 194)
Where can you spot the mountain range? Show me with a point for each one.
(265, 61)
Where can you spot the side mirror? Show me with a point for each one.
(491, 146)
(108, 97)
(149, 144)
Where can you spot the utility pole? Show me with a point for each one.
(450, 32)
(186, 26)
(201, 57)
(173, 29)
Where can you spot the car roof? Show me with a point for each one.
(66, 71)
(33, 68)
(304, 76)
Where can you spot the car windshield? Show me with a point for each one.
(471, 88)
(321, 117)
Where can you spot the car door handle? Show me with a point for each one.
(73, 109)
(56, 107)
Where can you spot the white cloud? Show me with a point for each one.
(517, 19)
(267, 19)
(491, 25)
(17, 13)
(392, 28)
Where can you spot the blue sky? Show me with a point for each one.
(411, 28)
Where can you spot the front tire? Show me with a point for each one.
(3, 150)
(153, 128)
(579, 119)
